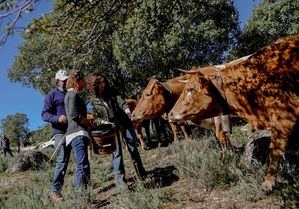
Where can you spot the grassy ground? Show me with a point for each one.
(195, 174)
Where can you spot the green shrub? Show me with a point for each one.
(210, 167)
(140, 198)
(2, 199)
(37, 197)
(196, 160)
(288, 185)
(3, 164)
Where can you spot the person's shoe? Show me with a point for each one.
(56, 197)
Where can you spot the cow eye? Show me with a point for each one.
(148, 94)
(190, 89)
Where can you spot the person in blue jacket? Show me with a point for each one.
(54, 113)
(5, 145)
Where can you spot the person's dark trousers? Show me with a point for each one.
(82, 175)
(62, 160)
(130, 138)
(118, 164)
(7, 150)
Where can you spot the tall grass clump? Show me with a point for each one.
(37, 197)
(248, 179)
(210, 167)
(288, 185)
(32, 197)
(139, 198)
(2, 199)
(3, 164)
(198, 161)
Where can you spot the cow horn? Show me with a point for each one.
(152, 86)
(183, 81)
(189, 71)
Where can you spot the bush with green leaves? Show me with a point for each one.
(210, 167)
(3, 164)
(139, 198)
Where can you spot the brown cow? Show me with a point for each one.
(263, 90)
(158, 98)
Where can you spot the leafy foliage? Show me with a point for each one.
(15, 127)
(270, 20)
(128, 40)
(164, 35)
(11, 12)
(42, 134)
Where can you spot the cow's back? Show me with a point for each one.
(268, 81)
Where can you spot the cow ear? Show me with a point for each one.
(161, 88)
(203, 81)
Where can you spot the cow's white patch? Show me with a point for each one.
(220, 67)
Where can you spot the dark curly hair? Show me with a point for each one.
(92, 82)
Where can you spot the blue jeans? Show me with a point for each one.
(82, 175)
(118, 162)
(62, 160)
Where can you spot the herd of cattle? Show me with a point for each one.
(262, 89)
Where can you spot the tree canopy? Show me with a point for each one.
(41, 134)
(130, 40)
(15, 127)
(270, 21)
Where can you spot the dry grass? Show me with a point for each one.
(195, 174)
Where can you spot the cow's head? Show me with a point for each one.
(152, 102)
(196, 101)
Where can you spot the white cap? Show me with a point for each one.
(61, 75)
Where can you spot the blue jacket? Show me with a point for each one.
(53, 108)
(5, 143)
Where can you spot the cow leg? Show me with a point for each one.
(147, 129)
(185, 130)
(220, 135)
(164, 127)
(281, 129)
(160, 127)
(174, 130)
(138, 128)
(157, 128)
(277, 150)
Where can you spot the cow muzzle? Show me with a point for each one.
(136, 117)
(173, 116)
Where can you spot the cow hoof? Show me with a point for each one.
(268, 183)
(145, 147)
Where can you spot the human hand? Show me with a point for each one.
(62, 119)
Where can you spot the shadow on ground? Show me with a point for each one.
(157, 178)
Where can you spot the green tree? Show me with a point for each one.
(15, 127)
(11, 12)
(43, 133)
(75, 35)
(270, 21)
(163, 35)
(129, 40)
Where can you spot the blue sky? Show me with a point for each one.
(15, 98)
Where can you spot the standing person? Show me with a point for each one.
(54, 112)
(6, 146)
(77, 135)
(106, 110)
